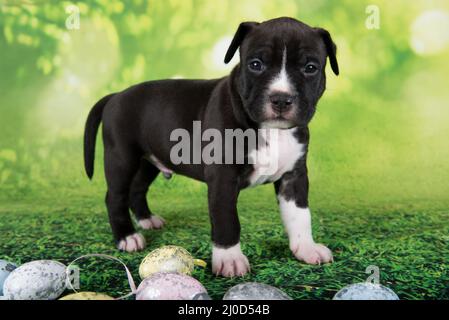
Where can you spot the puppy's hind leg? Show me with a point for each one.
(138, 204)
(120, 168)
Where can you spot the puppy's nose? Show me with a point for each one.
(281, 102)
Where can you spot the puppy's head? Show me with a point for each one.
(282, 70)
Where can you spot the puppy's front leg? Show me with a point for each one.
(292, 192)
(227, 257)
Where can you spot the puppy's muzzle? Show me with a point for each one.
(282, 103)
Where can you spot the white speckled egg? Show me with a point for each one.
(366, 291)
(5, 270)
(36, 280)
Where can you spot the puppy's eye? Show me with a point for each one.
(256, 65)
(310, 69)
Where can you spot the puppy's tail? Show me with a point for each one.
(90, 134)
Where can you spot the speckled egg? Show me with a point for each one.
(5, 270)
(87, 296)
(366, 291)
(169, 286)
(255, 291)
(36, 280)
(201, 296)
(167, 259)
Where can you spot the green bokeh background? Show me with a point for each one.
(379, 166)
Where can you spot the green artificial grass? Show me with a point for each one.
(409, 243)
(378, 160)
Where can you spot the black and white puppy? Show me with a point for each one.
(280, 78)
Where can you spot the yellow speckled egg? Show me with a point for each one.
(87, 296)
(167, 259)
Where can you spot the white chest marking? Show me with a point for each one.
(278, 155)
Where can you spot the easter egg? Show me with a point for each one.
(87, 296)
(255, 291)
(167, 259)
(366, 291)
(169, 286)
(5, 270)
(36, 280)
(201, 296)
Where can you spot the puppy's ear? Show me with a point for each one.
(241, 33)
(331, 49)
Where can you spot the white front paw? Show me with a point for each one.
(132, 243)
(311, 252)
(229, 262)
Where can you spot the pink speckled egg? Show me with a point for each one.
(169, 286)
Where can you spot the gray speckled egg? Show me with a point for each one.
(5, 270)
(36, 280)
(366, 291)
(255, 291)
